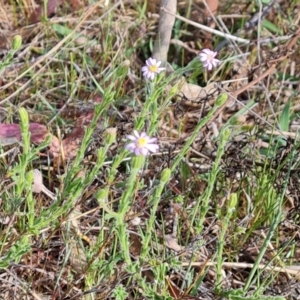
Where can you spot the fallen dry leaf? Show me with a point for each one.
(77, 257)
(72, 142)
(11, 134)
(212, 6)
(135, 245)
(52, 6)
(171, 242)
(38, 185)
(76, 4)
(39, 11)
(192, 92)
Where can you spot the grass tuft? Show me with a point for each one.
(213, 214)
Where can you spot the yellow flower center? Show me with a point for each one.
(142, 142)
(153, 69)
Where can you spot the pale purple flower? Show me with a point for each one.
(152, 68)
(207, 57)
(141, 144)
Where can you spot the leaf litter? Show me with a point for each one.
(193, 103)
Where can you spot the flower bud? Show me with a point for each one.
(222, 98)
(165, 175)
(17, 42)
(23, 115)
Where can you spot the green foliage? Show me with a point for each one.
(239, 295)
(145, 221)
(285, 117)
(8, 59)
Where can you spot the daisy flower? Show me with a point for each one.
(152, 68)
(141, 144)
(207, 57)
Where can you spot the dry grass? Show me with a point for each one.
(226, 222)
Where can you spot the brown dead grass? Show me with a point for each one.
(43, 265)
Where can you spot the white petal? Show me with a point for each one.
(152, 140)
(203, 57)
(148, 62)
(137, 151)
(148, 75)
(214, 63)
(151, 75)
(144, 151)
(143, 134)
(152, 61)
(160, 70)
(131, 137)
(206, 51)
(131, 147)
(136, 133)
(152, 147)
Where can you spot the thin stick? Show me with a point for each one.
(289, 269)
(208, 29)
